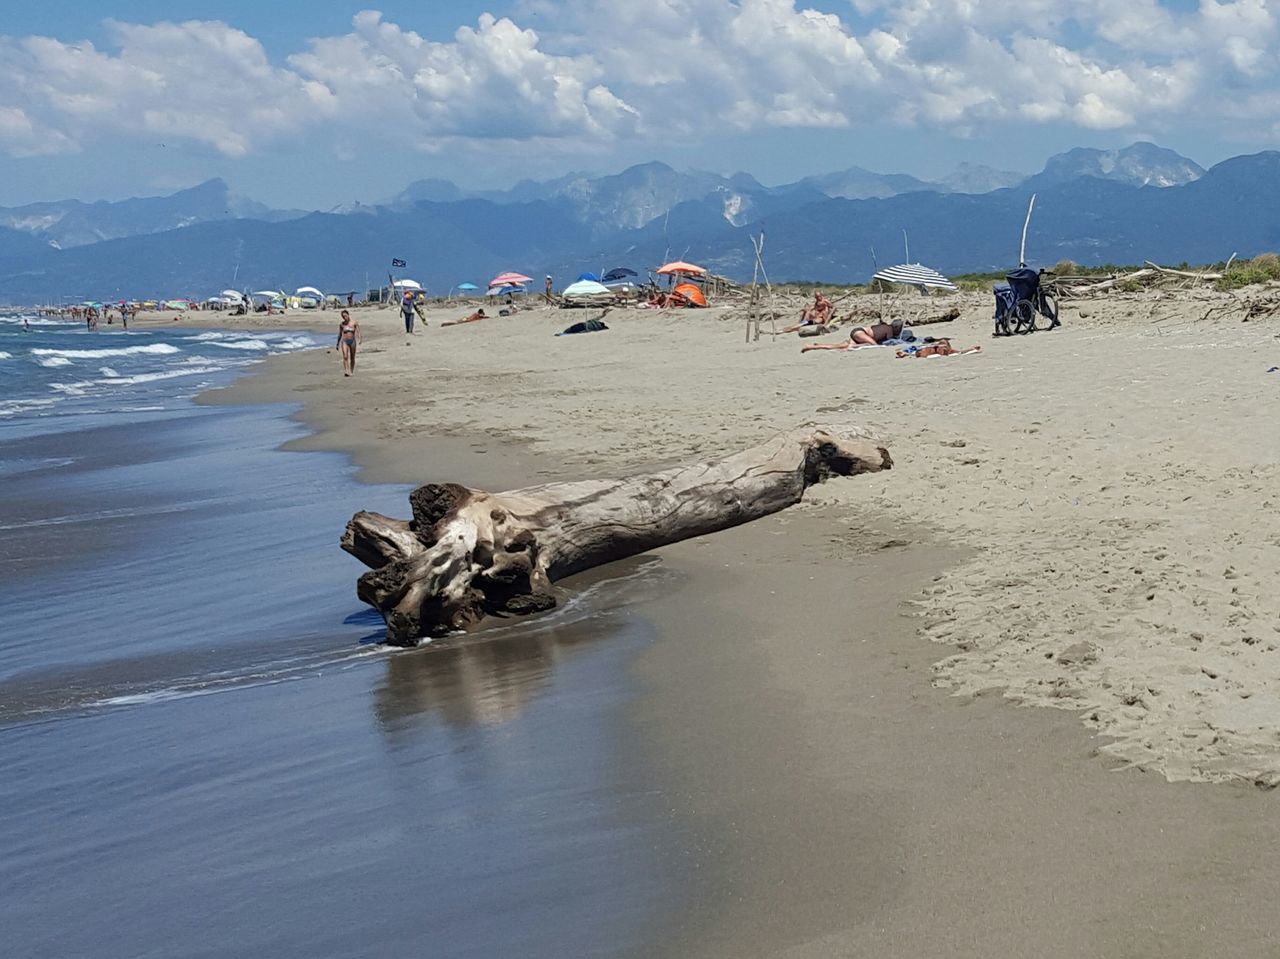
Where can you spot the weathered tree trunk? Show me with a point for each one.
(467, 554)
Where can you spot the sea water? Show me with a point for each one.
(206, 751)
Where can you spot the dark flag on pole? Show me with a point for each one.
(397, 263)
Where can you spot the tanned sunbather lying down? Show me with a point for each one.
(938, 348)
(872, 335)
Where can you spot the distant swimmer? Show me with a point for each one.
(26, 325)
(348, 339)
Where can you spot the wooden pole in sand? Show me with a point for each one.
(759, 248)
(1022, 250)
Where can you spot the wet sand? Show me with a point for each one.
(836, 804)
(831, 795)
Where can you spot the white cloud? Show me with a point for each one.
(491, 82)
(201, 82)
(665, 68)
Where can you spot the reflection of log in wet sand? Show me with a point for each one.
(489, 678)
(483, 683)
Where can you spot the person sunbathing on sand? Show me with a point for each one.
(474, 317)
(940, 348)
(818, 313)
(872, 335)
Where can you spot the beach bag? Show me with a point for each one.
(585, 326)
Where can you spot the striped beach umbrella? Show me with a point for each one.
(914, 274)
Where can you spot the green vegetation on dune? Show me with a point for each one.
(1263, 268)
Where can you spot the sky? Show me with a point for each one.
(315, 104)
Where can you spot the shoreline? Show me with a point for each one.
(1004, 825)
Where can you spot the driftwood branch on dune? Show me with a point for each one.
(468, 554)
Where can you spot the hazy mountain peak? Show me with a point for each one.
(979, 178)
(857, 183)
(1139, 164)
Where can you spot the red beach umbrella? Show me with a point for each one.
(510, 279)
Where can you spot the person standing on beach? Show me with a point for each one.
(348, 339)
(407, 311)
(547, 291)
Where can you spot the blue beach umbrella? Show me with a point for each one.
(468, 287)
(589, 276)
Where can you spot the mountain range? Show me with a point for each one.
(1094, 206)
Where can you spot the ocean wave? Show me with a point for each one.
(72, 389)
(53, 362)
(154, 377)
(151, 349)
(255, 345)
(14, 467)
(14, 407)
(5, 356)
(291, 343)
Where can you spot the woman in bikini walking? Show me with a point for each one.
(348, 338)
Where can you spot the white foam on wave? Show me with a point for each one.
(151, 349)
(290, 343)
(53, 362)
(5, 356)
(255, 345)
(72, 389)
(14, 407)
(154, 377)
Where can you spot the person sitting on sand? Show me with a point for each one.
(940, 347)
(473, 318)
(348, 338)
(872, 335)
(817, 313)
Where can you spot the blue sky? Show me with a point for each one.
(316, 104)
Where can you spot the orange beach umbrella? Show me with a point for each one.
(679, 266)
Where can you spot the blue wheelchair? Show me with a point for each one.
(1024, 304)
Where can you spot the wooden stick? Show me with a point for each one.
(1022, 251)
(1209, 277)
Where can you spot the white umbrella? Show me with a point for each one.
(310, 291)
(407, 284)
(914, 274)
(233, 295)
(586, 288)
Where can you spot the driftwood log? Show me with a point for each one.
(468, 554)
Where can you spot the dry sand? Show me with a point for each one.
(1079, 520)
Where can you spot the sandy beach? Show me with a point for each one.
(1075, 520)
